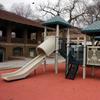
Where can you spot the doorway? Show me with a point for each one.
(2, 54)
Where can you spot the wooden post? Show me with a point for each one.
(56, 49)
(84, 58)
(25, 49)
(25, 36)
(45, 35)
(77, 48)
(68, 43)
(92, 67)
(45, 32)
(9, 30)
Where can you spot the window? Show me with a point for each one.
(1, 33)
(13, 35)
(18, 51)
(31, 52)
(33, 36)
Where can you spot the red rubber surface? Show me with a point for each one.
(48, 86)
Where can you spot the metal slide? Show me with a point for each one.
(25, 70)
(44, 49)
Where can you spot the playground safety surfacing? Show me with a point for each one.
(48, 86)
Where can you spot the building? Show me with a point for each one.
(19, 36)
(76, 35)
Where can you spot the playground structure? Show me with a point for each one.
(93, 51)
(44, 49)
(93, 55)
(75, 57)
(50, 45)
(64, 50)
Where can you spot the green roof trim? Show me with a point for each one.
(57, 20)
(93, 28)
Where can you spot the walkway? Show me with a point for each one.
(20, 63)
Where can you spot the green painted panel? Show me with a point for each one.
(93, 28)
(57, 20)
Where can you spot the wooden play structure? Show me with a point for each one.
(49, 46)
(93, 52)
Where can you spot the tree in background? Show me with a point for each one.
(71, 10)
(93, 12)
(2, 7)
(76, 12)
(23, 10)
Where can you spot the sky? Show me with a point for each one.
(8, 3)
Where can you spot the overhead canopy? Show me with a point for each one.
(93, 29)
(57, 20)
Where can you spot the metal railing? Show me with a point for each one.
(77, 49)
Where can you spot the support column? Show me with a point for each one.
(92, 67)
(45, 35)
(77, 48)
(25, 51)
(9, 30)
(25, 36)
(84, 58)
(78, 40)
(68, 44)
(56, 49)
(45, 32)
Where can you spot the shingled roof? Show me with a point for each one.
(92, 29)
(8, 16)
(56, 20)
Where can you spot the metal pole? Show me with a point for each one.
(45, 32)
(56, 49)
(45, 35)
(92, 67)
(68, 43)
(77, 48)
(84, 58)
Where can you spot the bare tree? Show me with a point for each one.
(93, 12)
(72, 9)
(22, 9)
(49, 8)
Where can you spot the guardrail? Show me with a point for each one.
(93, 55)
